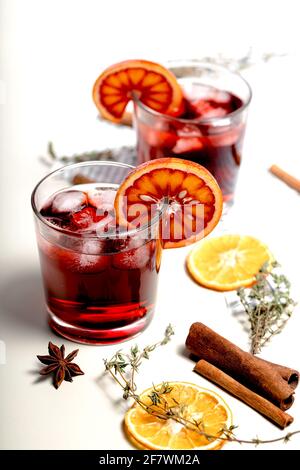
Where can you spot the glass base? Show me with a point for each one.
(98, 336)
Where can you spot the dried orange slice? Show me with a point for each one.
(151, 83)
(227, 262)
(147, 431)
(189, 193)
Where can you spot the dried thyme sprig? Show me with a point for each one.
(122, 368)
(80, 157)
(268, 305)
(99, 155)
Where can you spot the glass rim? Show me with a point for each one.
(114, 235)
(199, 63)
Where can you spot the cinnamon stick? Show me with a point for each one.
(252, 399)
(291, 376)
(268, 380)
(287, 178)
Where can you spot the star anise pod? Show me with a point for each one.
(59, 365)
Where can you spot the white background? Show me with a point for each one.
(50, 53)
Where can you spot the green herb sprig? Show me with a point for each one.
(268, 305)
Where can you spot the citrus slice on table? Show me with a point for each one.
(204, 406)
(227, 262)
(151, 83)
(186, 193)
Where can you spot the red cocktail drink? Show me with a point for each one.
(100, 284)
(210, 128)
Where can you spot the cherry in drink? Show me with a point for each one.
(100, 285)
(209, 129)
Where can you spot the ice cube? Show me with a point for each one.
(93, 263)
(194, 90)
(68, 202)
(215, 112)
(84, 219)
(81, 256)
(89, 257)
(127, 243)
(137, 241)
(157, 137)
(136, 258)
(188, 144)
(102, 199)
(201, 107)
(93, 246)
(189, 130)
(222, 96)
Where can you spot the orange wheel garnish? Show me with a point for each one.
(228, 262)
(147, 431)
(152, 84)
(186, 192)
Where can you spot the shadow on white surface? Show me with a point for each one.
(182, 351)
(22, 302)
(40, 378)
